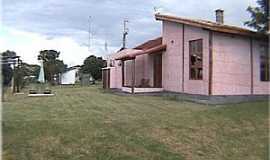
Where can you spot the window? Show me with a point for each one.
(196, 59)
(264, 63)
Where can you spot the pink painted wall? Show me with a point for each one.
(259, 87)
(231, 62)
(196, 86)
(172, 59)
(115, 71)
(116, 77)
(231, 65)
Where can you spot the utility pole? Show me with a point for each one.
(125, 33)
(106, 43)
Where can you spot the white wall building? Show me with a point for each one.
(70, 76)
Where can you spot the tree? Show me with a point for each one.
(93, 65)
(29, 73)
(259, 16)
(30, 69)
(52, 65)
(7, 71)
(6, 74)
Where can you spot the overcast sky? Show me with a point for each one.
(28, 26)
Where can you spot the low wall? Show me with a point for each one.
(141, 90)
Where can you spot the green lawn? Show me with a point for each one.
(86, 123)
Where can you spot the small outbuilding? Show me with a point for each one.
(70, 76)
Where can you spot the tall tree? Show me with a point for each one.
(52, 65)
(259, 16)
(93, 65)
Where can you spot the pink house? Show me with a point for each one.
(194, 57)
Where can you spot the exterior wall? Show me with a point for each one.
(116, 76)
(172, 59)
(69, 77)
(231, 65)
(259, 87)
(196, 86)
(231, 62)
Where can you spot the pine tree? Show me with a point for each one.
(259, 16)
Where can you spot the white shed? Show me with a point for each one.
(70, 76)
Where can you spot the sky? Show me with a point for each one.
(29, 26)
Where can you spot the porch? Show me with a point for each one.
(142, 69)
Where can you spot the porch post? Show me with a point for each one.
(123, 72)
(210, 73)
(133, 76)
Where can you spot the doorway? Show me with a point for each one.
(157, 69)
(106, 78)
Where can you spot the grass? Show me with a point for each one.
(88, 123)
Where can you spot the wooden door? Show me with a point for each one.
(157, 70)
(106, 78)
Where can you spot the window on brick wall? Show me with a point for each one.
(196, 59)
(264, 63)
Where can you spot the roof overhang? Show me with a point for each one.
(210, 26)
(133, 53)
(127, 54)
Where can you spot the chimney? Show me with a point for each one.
(219, 16)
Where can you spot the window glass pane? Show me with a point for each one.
(264, 63)
(263, 76)
(192, 73)
(200, 73)
(196, 64)
(192, 60)
(193, 48)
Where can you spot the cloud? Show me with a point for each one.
(28, 45)
(234, 10)
(68, 20)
